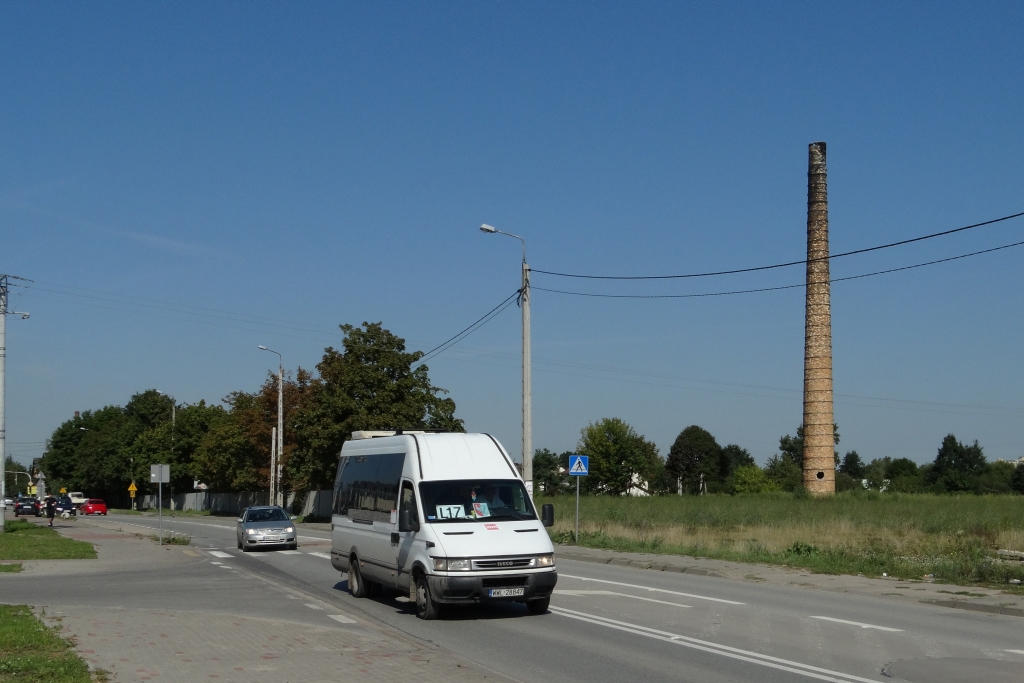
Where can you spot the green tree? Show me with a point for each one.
(1017, 479)
(957, 466)
(784, 473)
(620, 458)
(852, 465)
(547, 476)
(734, 457)
(695, 455)
(372, 383)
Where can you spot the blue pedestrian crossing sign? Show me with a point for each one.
(579, 465)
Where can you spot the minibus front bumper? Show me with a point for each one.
(478, 588)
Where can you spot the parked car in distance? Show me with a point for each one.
(94, 506)
(27, 506)
(265, 525)
(77, 498)
(65, 504)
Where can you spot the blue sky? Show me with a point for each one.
(185, 181)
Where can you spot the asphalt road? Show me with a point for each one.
(614, 624)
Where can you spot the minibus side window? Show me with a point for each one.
(409, 502)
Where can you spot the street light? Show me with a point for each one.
(277, 452)
(524, 298)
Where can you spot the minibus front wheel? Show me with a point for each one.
(426, 606)
(538, 606)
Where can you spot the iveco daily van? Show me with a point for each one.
(443, 517)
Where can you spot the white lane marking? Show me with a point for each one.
(624, 595)
(288, 552)
(1016, 652)
(220, 563)
(224, 566)
(715, 648)
(657, 590)
(224, 527)
(313, 607)
(342, 618)
(323, 555)
(857, 623)
(219, 553)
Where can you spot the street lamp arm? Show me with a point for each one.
(493, 230)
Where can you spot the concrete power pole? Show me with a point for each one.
(819, 460)
(3, 391)
(527, 389)
(279, 460)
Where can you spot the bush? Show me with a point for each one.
(751, 479)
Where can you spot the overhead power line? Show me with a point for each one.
(773, 289)
(779, 265)
(480, 322)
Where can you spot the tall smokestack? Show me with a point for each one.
(819, 462)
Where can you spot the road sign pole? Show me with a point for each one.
(160, 508)
(577, 510)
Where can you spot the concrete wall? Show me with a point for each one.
(305, 503)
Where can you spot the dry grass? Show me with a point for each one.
(952, 537)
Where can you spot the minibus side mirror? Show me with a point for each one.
(406, 522)
(547, 514)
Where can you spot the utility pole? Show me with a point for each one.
(527, 388)
(524, 303)
(273, 465)
(3, 391)
(4, 310)
(277, 454)
(819, 475)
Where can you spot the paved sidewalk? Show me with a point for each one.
(173, 645)
(913, 590)
(148, 613)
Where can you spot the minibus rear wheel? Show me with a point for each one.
(356, 585)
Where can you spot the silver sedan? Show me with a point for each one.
(266, 525)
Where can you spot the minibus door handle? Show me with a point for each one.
(394, 538)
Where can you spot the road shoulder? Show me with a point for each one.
(900, 589)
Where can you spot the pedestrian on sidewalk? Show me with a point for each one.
(51, 509)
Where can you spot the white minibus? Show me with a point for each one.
(444, 517)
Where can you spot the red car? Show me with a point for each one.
(93, 506)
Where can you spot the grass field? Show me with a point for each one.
(12, 568)
(33, 653)
(23, 540)
(910, 536)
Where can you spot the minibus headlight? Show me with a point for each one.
(545, 560)
(443, 564)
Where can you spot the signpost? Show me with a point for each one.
(159, 475)
(132, 488)
(579, 466)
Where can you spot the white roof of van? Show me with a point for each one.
(445, 456)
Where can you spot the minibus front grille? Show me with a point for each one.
(504, 582)
(510, 563)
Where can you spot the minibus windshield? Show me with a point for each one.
(475, 500)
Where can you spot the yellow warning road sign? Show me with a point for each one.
(132, 487)
(63, 490)
(131, 494)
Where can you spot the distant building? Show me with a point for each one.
(1015, 463)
